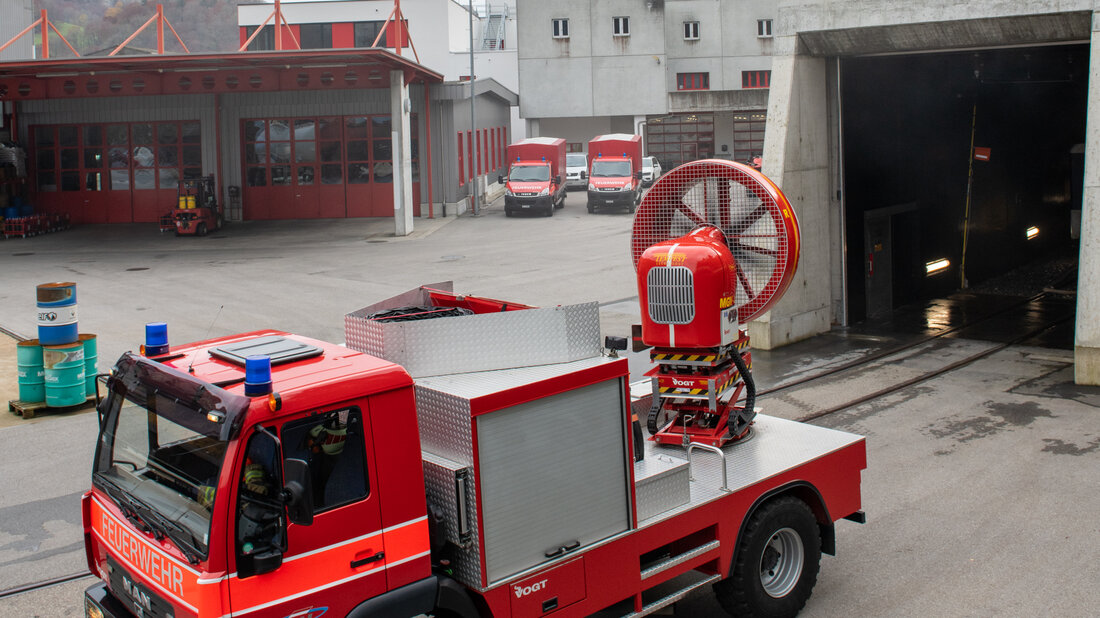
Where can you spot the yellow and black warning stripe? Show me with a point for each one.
(702, 358)
(730, 381)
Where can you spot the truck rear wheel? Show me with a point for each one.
(778, 558)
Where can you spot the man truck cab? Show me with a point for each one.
(535, 182)
(615, 177)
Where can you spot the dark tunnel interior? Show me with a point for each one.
(907, 123)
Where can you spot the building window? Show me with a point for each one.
(265, 41)
(764, 28)
(691, 31)
(315, 36)
(693, 81)
(561, 27)
(756, 79)
(620, 26)
(365, 32)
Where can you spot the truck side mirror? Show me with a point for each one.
(298, 492)
(583, 175)
(638, 175)
(500, 179)
(557, 180)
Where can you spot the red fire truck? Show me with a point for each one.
(465, 456)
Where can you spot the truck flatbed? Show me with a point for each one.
(777, 446)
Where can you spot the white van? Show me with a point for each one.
(576, 170)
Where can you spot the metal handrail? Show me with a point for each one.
(713, 449)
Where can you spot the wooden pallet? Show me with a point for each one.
(28, 409)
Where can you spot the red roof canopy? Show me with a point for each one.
(262, 71)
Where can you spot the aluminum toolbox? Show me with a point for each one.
(482, 342)
(662, 483)
(548, 445)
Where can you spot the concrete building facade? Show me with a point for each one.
(438, 43)
(847, 141)
(690, 76)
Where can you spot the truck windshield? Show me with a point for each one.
(161, 451)
(529, 173)
(610, 169)
(576, 160)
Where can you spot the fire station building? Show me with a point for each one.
(287, 134)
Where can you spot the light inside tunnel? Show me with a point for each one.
(936, 266)
(1032, 232)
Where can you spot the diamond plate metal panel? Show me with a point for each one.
(660, 484)
(445, 425)
(473, 385)
(777, 445)
(480, 342)
(439, 482)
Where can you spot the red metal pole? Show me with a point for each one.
(133, 36)
(160, 29)
(256, 33)
(218, 147)
(45, 35)
(278, 25)
(16, 37)
(397, 25)
(64, 40)
(428, 142)
(383, 32)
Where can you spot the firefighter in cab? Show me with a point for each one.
(325, 443)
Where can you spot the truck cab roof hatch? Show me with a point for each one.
(278, 349)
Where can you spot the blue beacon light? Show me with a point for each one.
(257, 376)
(156, 339)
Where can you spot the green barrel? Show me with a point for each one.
(32, 383)
(64, 365)
(89, 342)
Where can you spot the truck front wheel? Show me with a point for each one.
(778, 558)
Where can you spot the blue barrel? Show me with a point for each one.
(32, 378)
(11, 212)
(57, 313)
(64, 365)
(90, 356)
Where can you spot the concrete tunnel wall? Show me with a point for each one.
(799, 155)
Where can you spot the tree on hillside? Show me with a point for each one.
(94, 25)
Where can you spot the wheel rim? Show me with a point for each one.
(781, 563)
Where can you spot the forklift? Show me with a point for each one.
(197, 211)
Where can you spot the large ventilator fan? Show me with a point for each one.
(715, 244)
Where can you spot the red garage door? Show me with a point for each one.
(114, 173)
(321, 167)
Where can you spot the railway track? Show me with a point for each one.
(896, 353)
(49, 583)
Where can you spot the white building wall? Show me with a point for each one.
(594, 73)
(14, 16)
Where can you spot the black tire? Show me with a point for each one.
(591, 208)
(550, 210)
(200, 229)
(778, 558)
(507, 213)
